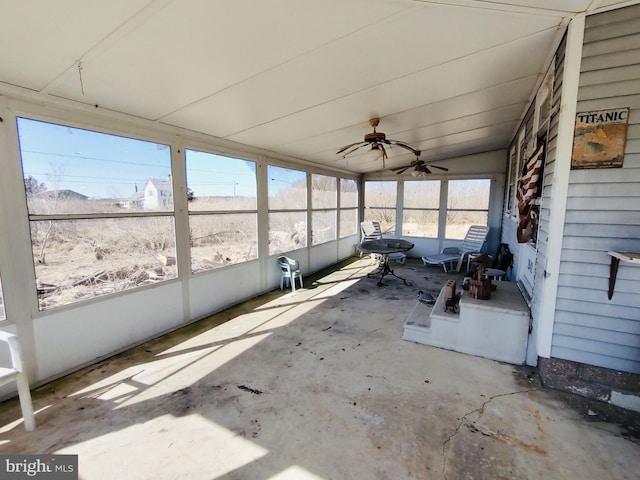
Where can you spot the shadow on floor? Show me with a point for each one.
(316, 384)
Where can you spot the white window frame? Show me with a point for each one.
(92, 216)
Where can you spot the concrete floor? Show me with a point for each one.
(318, 385)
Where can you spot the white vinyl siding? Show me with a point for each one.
(603, 210)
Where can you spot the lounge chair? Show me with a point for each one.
(370, 231)
(472, 243)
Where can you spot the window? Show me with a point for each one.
(421, 208)
(544, 100)
(467, 204)
(98, 225)
(324, 203)
(223, 216)
(348, 207)
(380, 205)
(287, 192)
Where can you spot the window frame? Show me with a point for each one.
(303, 231)
(486, 210)
(225, 259)
(388, 228)
(344, 210)
(323, 210)
(421, 209)
(33, 218)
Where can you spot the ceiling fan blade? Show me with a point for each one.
(359, 145)
(399, 170)
(346, 147)
(439, 168)
(407, 147)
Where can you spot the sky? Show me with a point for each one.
(99, 165)
(280, 179)
(209, 174)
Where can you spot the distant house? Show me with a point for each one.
(134, 201)
(158, 194)
(62, 195)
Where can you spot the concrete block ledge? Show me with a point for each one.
(618, 388)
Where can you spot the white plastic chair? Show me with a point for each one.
(472, 243)
(289, 271)
(15, 372)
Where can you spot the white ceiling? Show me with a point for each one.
(297, 77)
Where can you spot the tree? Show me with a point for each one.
(190, 195)
(33, 187)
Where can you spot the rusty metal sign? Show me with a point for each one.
(600, 138)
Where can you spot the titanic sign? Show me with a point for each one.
(600, 138)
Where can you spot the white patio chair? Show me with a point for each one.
(472, 243)
(370, 231)
(15, 372)
(398, 257)
(289, 271)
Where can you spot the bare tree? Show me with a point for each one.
(33, 187)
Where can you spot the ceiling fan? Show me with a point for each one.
(377, 141)
(420, 168)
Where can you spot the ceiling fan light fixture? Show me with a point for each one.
(418, 168)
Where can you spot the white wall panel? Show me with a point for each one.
(217, 289)
(81, 334)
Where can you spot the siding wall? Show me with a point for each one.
(603, 210)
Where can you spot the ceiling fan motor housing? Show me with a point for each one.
(375, 137)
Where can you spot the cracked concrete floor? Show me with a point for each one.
(317, 385)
